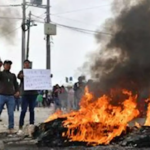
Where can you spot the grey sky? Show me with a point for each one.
(69, 48)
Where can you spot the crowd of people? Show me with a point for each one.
(13, 95)
(65, 98)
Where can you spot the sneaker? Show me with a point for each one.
(30, 130)
(12, 131)
(20, 133)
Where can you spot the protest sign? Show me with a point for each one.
(37, 79)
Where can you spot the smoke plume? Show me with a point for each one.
(8, 22)
(123, 61)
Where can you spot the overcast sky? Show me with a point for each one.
(69, 47)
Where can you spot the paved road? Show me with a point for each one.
(41, 114)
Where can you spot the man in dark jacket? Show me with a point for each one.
(78, 91)
(8, 89)
(28, 98)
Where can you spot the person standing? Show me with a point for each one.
(63, 96)
(70, 100)
(1, 64)
(28, 99)
(8, 90)
(39, 100)
(55, 94)
(78, 92)
(44, 99)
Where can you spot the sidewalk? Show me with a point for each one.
(41, 114)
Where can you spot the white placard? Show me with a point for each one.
(37, 79)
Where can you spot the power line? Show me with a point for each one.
(9, 18)
(65, 18)
(39, 17)
(79, 29)
(75, 20)
(10, 5)
(86, 30)
(82, 9)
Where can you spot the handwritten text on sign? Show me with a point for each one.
(37, 79)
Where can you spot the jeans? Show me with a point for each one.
(10, 103)
(27, 100)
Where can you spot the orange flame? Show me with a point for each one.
(97, 121)
(137, 125)
(147, 122)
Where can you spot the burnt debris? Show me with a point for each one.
(50, 135)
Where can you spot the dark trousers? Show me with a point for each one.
(17, 104)
(44, 102)
(27, 100)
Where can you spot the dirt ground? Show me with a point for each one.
(41, 114)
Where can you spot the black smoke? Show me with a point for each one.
(9, 20)
(123, 61)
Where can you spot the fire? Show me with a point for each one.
(97, 121)
(147, 122)
(137, 125)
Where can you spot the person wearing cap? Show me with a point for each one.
(28, 99)
(8, 90)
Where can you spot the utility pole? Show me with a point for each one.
(48, 46)
(23, 31)
(28, 38)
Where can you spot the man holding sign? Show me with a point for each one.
(28, 98)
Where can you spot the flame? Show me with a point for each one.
(147, 122)
(137, 125)
(97, 121)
